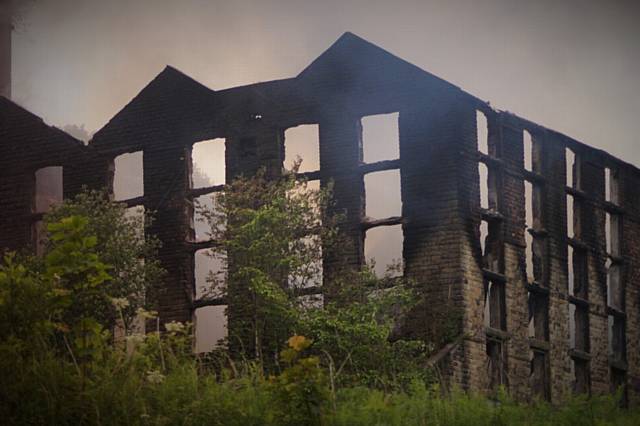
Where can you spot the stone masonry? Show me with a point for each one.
(522, 240)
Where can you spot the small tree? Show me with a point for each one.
(59, 363)
(271, 233)
(122, 244)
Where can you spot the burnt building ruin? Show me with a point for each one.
(530, 235)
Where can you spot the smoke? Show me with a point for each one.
(568, 65)
(78, 132)
(14, 11)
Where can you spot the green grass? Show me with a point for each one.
(50, 392)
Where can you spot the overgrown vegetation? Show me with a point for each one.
(273, 233)
(294, 362)
(121, 243)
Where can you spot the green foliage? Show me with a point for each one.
(75, 374)
(121, 241)
(300, 392)
(61, 366)
(354, 339)
(26, 300)
(274, 232)
(73, 265)
(271, 232)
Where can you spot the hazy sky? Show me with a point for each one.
(572, 65)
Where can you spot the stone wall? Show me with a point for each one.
(493, 275)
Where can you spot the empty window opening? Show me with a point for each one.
(482, 131)
(536, 207)
(491, 245)
(309, 273)
(210, 273)
(208, 163)
(383, 197)
(582, 381)
(203, 207)
(484, 235)
(538, 263)
(615, 290)
(210, 327)
(572, 326)
(618, 381)
(571, 168)
(496, 367)
(313, 185)
(531, 328)
(541, 317)
(614, 187)
(39, 234)
(572, 217)
(610, 333)
(612, 235)
(136, 216)
(137, 326)
(483, 172)
(528, 195)
(616, 237)
(528, 150)
(380, 137)
(535, 244)
(578, 269)
(383, 249)
(494, 306)
(532, 152)
(310, 189)
(608, 264)
(128, 179)
(540, 375)
(487, 304)
(48, 190)
(538, 316)
(570, 273)
(611, 186)
(311, 301)
(579, 330)
(302, 143)
(305, 186)
(617, 338)
(607, 232)
(607, 184)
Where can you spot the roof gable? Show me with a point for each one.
(171, 103)
(27, 142)
(18, 125)
(353, 63)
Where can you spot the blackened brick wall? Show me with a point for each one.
(440, 191)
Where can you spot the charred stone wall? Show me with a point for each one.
(567, 325)
(528, 270)
(27, 146)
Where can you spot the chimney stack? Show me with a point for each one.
(6, 29)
